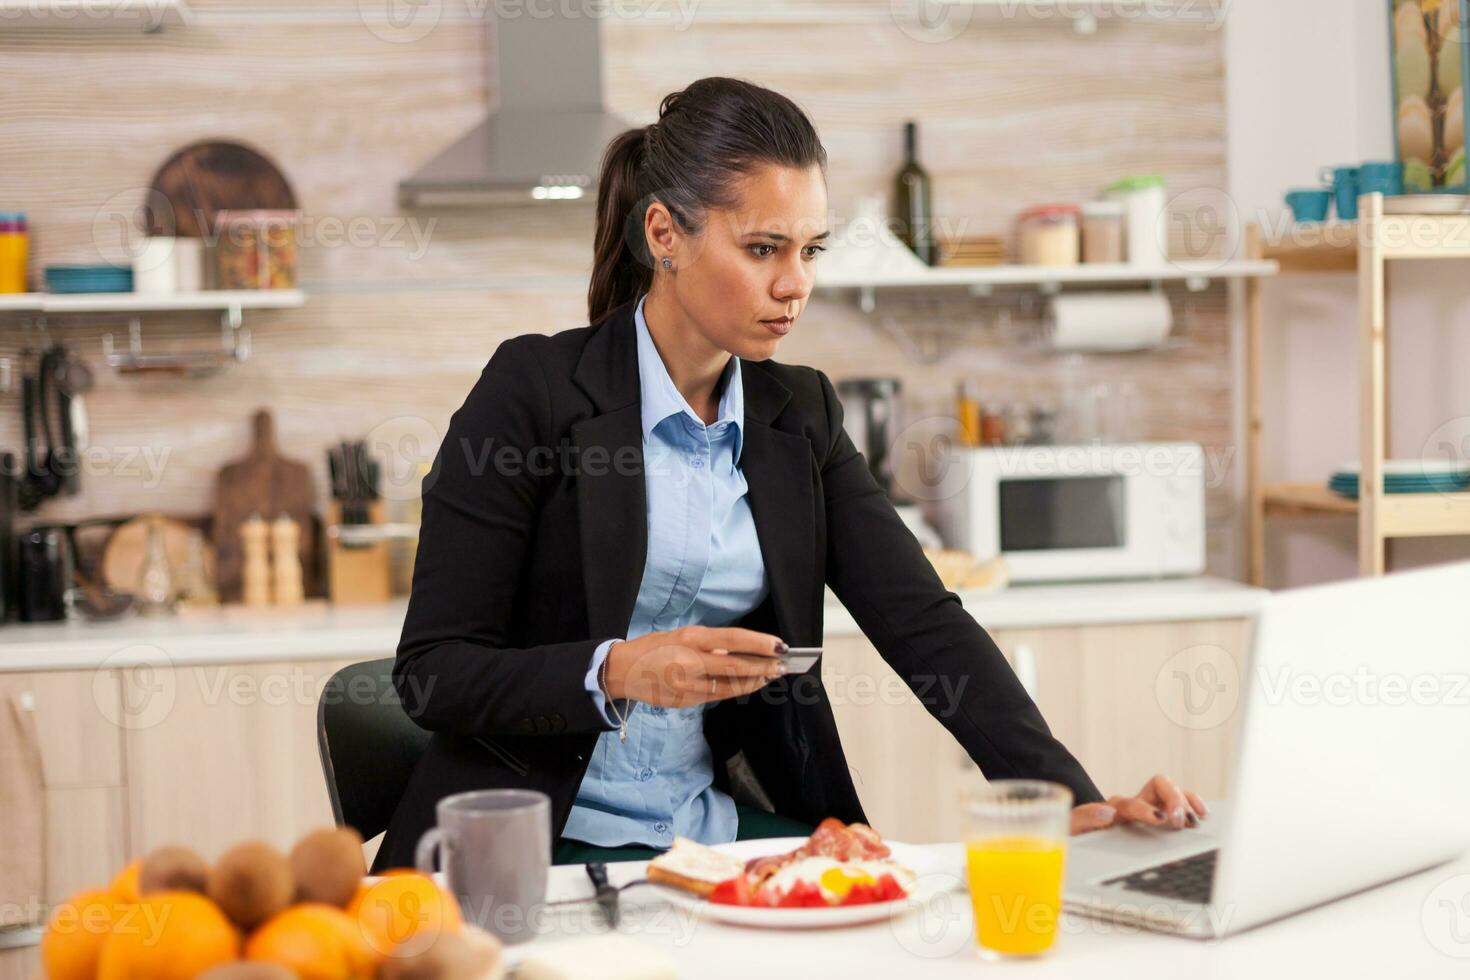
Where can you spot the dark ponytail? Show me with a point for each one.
(707, 136)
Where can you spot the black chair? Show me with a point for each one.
(368, 743)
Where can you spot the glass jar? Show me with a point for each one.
(1102, 231)
(256, 249)
(1049, 235)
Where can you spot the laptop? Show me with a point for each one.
(1349, 768)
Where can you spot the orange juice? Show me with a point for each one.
(1016, 890)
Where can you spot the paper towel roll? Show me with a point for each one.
(1109, 321)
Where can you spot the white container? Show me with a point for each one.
(154, 268)
(1148, 232)
(189, 264)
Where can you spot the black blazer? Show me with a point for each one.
(531, 554)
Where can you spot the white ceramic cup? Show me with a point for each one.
(154, 268)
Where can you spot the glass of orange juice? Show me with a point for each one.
(1015, 850)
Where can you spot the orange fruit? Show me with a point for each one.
(318, 941)
(125, 885)
(404, 912)
(75, 934)
(167, 936)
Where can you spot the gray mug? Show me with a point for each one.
(495, 847)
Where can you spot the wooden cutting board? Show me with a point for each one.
(269, 484)
(204, 178)
(127, 546)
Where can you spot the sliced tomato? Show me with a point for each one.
(885, 889)
(802, 895)
(732, 891)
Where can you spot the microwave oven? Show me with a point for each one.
(1068, 513)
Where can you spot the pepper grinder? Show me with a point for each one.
(255, 574)
(286, 561)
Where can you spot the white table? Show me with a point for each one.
(1417, 927)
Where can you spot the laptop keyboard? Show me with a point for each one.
(1190, 879)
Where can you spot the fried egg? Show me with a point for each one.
(836, 878)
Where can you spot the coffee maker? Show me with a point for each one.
(871, 410)
(870, 416)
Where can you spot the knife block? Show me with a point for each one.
(357, 574)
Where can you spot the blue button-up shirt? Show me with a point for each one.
(703, 567)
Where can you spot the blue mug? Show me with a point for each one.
(1311, 205)
(1344, 184)
(1381, 178)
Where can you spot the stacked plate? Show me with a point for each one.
(88, 279)
(1408, 476)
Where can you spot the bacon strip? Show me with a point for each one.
(832, 839)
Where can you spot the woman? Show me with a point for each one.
(616, 508)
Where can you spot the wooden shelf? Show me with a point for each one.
(1424, 236)
(1298, 499)
(1333, 246)
(1313, 248)
(209, 299)
(1400, 515)
(1366, 248)
(1424, 515)
(148, 16)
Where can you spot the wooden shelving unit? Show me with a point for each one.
(1366, 248)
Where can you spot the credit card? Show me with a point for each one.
(796, 660)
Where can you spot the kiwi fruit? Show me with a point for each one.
(243, 970)
(172, 868)
(251, 882)
(453, 956)
(328, 866)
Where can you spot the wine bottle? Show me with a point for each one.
(913, 212)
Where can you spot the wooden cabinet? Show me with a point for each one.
(1128, 700)
(135, 757)
(908, 770)
(75, 715)
(1134, 700)
(20, 963)
(225, 752)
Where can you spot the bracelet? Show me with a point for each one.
(602, 682)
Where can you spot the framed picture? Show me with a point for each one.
(1429, 60)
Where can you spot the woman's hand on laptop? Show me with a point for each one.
(1159, 804)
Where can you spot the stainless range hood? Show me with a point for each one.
(545, 141)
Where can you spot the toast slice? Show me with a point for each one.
(692, 867)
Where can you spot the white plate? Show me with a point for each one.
(932, 878)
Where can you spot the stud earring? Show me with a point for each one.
(668, 263)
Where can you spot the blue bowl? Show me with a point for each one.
(1309, 205)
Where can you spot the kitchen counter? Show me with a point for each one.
(1093, 604)
(319, 631)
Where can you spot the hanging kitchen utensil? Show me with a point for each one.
(32, 487)
(59, 458)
